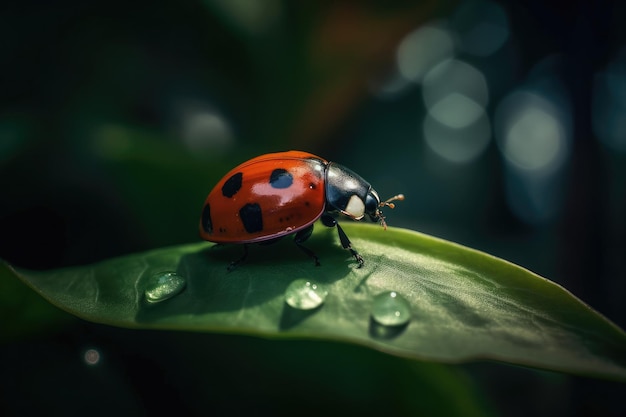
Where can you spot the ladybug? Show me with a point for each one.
(284, 193)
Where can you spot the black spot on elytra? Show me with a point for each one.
(207, 223)
(312, 186)
(252, 217)
(232, 185)
(280, 178)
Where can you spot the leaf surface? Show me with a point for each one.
(465, 304)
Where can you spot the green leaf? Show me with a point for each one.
(29, 314)
(465, 304)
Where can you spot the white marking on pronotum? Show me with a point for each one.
(355, 207)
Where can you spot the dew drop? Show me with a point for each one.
(304, 294)
(163, 286)
(391, 309)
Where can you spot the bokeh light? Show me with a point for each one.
(532, 133)
(455, 95)
(91, 357)
(531, 136)
(457, 145)
(482, 26)
(456, 110)
(422, 49)
(609, 104)
(202, 128)
(417, 53)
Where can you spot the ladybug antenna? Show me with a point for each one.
(388, 203)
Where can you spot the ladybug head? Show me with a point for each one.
(348, 193)
(373, 205)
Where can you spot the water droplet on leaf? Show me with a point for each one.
(391, 309)
(304, 294)
(163, 286)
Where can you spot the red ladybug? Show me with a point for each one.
(284, 193)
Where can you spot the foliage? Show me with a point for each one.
(464, 304)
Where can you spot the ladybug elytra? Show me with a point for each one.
(284, 193)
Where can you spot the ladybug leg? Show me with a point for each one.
(300, 238)
(243, 257)
(330, 221)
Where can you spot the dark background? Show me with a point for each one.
(116, 119)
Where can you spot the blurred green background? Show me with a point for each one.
(502, 122)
